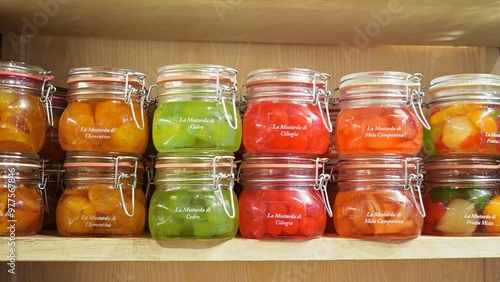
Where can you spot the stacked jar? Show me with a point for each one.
(25, 93)
(104, 131)
(463, 148)
(379, 135)
(286, 128)
(196, 130)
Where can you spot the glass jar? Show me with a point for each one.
(287, 111)
(102, 196)
(196, 109)
(379, 197)
(21, 202)
(464, 115)
(52, 149)
(283, 196)
(463, 195)
(54, 173)
(194, 197)
(380, 112)
(106, 111)
(24, 91)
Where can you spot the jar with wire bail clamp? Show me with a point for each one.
(464, 115)
(462, 195)
(21, 202)
(194, 197)
(379, 197)
(283, 196)
(196, 109)
(25, 94)
(106, 111)
(287, 111)
(380, 112)
(102, 196)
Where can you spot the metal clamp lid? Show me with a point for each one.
(143, 94)
(322, 180)
(413, 182)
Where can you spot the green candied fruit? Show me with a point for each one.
(168, 132)
(202, 229)
(167, 228)
(428, 143)
(187, 229)
(222, 224)
(444, 194)
(479, 197)
(184, 125)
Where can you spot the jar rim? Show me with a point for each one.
(465, 79)
(288, 75)
(103, 73)
(196, 72)
(23, 69)
(395, 78)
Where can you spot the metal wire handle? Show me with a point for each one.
(221, 99)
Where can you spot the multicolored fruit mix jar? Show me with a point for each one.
(287, 112)
(464, 115)
(52, 149)
(106, 111)
(283, 196)
(379, 197)
(21, 202)
(380, 112)
(102, 196)
(194, 197)
(24, 95)
(196, 109)
(463, 195)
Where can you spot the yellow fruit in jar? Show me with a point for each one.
(111, 114)
(456, 130)
(6, 98)
(493, 210)
(456, 220)
(15, 140)
(74, 216)
(483, 120)
(76, 127)
(28, 199)
(122, 224)
(104, 199)
(450, 112)
(129, 137)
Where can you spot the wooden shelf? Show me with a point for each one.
(350, 23)
(40, 248)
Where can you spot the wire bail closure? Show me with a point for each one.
(413, 182)
(221, 99)
(143, 100)
(48, 91)
(118, 182)
(325, 95)
(217, 177)
(43, 184)
(416, 97)
(322, 180)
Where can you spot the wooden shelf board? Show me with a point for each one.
(52, 247)
(352, 23)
